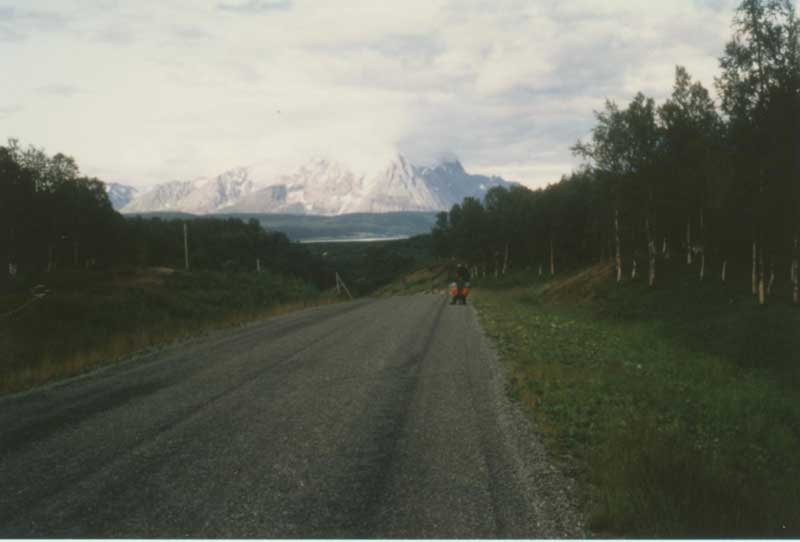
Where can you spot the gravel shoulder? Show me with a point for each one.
(381, 418)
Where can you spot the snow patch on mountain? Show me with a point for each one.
(321, 187)
(120, 195)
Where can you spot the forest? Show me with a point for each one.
(716, 185)
(53, 218)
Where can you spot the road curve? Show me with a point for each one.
(373, 419)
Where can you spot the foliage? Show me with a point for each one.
(365, 267)
(679, 423)
(681, 178)
(96, 317)
(51, 218)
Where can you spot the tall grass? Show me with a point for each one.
(679, 410)
(95, 318)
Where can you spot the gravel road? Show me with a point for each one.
(374, 419)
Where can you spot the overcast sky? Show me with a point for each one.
(146, 91)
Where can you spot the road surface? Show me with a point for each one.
(378, 418)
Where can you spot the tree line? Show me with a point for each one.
(714, 184)
(54, 218)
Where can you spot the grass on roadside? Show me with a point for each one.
(678, 408)
(95, 318)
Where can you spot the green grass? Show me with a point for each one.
(91, 319)
(678, 408)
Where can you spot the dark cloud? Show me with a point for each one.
(255, 6)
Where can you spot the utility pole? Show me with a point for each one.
(340, 285)
(185, 246)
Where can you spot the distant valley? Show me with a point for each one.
(347, 227)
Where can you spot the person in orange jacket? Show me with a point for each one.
(462, 284)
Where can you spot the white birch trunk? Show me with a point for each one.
(633, 269)
(617, 244)
(505, 260)
(724, 270)
(689, 242)
(552, 259)
(541, 270)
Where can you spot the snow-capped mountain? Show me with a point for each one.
(321, 187)
(120, 195)
(200, 196)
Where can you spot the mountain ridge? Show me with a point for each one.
(322, 187)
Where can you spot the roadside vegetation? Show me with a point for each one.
(367, 267)
(94, 318)
(678, 408)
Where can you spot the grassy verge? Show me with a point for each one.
(678, 409)
(90, 319)
(432, 278)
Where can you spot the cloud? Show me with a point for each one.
(59, 89)
(255, 6)
(185, 88)
(191, 33)
(8, 110)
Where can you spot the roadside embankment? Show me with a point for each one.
(678, 408)
(88, 319)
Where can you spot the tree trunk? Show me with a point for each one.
(541, 270)
(702, 265)
(50, 263)
(617, 244)
(665, 249)
(633, 269)
(651, 253)
(762, 299)
(754, 278)
(552, 259)
(689, 242)
(771, 278)
(505, 260)
(796, 271)
(724, 270)
(75, 251)
(702, 246)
